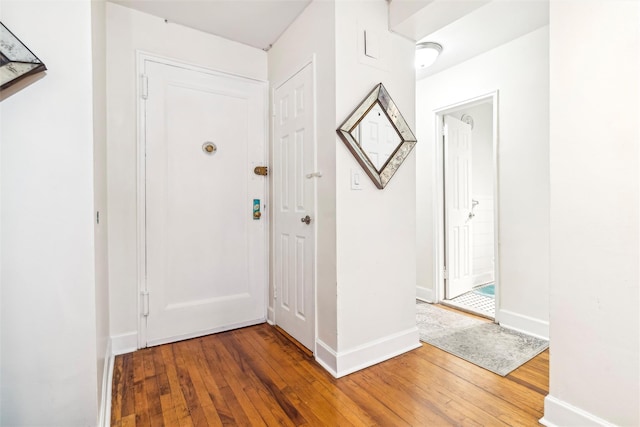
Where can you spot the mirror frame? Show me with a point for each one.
(378, 95)
(16, 60)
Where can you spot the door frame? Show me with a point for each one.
(439, 194)
(271, 309)
(141, 235)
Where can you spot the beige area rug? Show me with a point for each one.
(486, 344)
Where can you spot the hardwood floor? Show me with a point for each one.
(255, 376)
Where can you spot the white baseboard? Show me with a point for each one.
(124, 343)
(326, 357)
(425, 294)
(561, 414)
(483, 278)
(344, 363)
(107, 379)
(528, 325)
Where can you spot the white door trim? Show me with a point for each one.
(271, 312)
(438, 194)
(141, 236)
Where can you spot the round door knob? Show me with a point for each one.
(306, 219)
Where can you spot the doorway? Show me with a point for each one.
(469, 228)
(202, 245)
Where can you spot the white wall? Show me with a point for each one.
(376, 255)
(48, 325)
(520, 71)
(595, 195)
(127, 31)
(316, 27)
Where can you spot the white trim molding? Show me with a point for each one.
(425, 294)
(347, 362)
(104, 419)
(521, 323)
(124, 343)
(326, 357)
(558, 413)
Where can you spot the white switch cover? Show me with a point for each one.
(371, 44)
(356, 179)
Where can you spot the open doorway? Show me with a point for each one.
(469, 205)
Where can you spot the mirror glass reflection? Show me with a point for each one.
(377, 137)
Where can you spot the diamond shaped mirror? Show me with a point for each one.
(16, 60)
(378, 136)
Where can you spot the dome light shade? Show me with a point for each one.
(426, 54)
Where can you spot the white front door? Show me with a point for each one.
(458, 207)
(294, 187)
(206, 265)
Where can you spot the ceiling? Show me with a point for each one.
(483, 29)
(257, 23)
(465, 28)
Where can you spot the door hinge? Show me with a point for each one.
(144, 86)
(145, 303)
(445, 273)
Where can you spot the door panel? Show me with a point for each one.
(294, 161)
(205, 254)
(459, 218)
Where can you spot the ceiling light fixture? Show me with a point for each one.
(427, 53)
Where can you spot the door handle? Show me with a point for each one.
(306, 219)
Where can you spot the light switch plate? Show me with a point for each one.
(371, 44)
(356, 179)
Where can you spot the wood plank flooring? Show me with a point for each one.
(255, 377)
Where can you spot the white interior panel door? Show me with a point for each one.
(294, 206)
(459, 215)
(205, 254)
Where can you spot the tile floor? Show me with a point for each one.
(475, 302)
